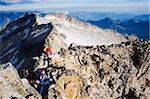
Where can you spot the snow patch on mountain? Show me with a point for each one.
(79, 32)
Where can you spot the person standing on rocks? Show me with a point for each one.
(42, 81)
(48, 52)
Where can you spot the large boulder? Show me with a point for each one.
(11, 86)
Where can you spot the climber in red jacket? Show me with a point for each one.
(48, 50)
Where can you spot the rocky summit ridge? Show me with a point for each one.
(25, 37)
(87, 62)
(118, 71)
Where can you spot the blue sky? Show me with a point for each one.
(120, 6)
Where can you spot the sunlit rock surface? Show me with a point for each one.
(104, 72)
(11, 86)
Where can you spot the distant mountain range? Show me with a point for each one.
(144, 17)
(7, 17)
(96, 16)
(123, 23)
(138, 26)
(3, 3)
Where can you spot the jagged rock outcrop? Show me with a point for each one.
(103, 72)
(12, 87)
(25, 37)
(22, 39)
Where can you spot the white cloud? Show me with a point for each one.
(80, 1)
(79, 5)
(11, 1)
(20, 1)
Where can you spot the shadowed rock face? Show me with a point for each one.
(23, 39)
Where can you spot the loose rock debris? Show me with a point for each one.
(101, 72)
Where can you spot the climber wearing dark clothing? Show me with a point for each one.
(43, 78)
(42, 82)
(47, 59)
(43, 85)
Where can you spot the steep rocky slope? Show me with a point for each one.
(12, 87)
(97, 72)
(103, 72)
(23, 39)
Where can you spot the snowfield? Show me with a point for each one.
(81, 33)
